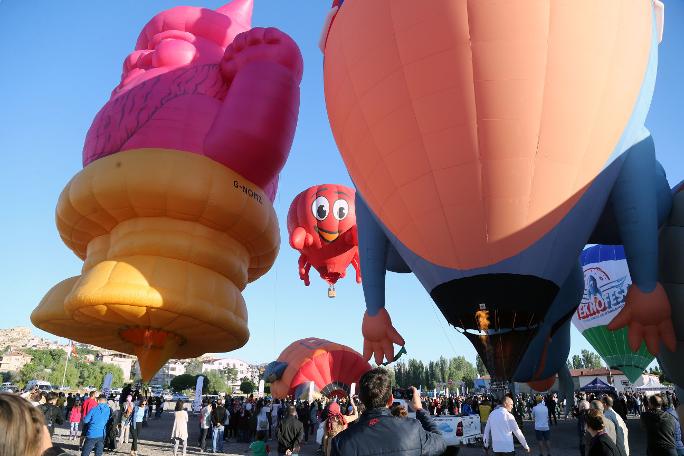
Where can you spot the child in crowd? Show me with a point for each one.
(74, 419)
(259, 447)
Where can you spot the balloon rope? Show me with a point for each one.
(441, 325)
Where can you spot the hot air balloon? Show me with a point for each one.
(606, 281)
(672, 277)
(485, 141)
(172, 212)
(322, 227)
(331, 367)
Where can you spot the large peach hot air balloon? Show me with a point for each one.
(331, 367)
(485, 140)
(172, 211)
(322, 227)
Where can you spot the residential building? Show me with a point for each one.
(243, 369)
(125, 362)
(14, 361)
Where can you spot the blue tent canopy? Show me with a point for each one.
(597, 386)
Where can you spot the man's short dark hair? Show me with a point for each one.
(655, 401)
(375, 388)
(594, 420)
(608, 401)
(52, 396)
(101, 397)
(291, 410)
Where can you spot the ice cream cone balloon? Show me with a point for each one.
(172, 212)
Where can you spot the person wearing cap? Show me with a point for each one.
(541, 426)
(600, 444)
(96, 419)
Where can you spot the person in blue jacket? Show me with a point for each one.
(136, 424)
(97, 422)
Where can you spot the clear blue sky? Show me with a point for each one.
(61, 59)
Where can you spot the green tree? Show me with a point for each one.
(216, 381)
(231, 374)
(194, 367)
(480, 366)
(591, 360)
(49, 365)
(247, 386)
(10, 377)
(577, 362)
(568, 364)
(393, 377)
(183, 382)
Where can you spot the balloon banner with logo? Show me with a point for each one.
(606, 281)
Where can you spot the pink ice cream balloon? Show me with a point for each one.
(205, 82)
(172, 212)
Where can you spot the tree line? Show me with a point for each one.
(429, 375)
(48, 365)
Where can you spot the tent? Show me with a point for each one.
(597, 386)
(652, 385)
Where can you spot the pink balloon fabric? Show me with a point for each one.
(205, 82)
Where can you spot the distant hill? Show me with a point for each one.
(22, 338)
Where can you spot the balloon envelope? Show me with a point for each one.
(606, 280)
(321, 224)
(332, 367)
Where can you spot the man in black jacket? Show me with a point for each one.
(218, 419)
(378, 432)
(290, 433)
(52, 413)
(660, 428)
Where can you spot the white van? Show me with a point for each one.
(42, 385)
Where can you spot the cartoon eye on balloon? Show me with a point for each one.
(320, 208)
(340, 209)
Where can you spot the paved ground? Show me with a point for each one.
(156, 442)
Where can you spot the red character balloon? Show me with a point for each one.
(322, 227)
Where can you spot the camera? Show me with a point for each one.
(403, 393)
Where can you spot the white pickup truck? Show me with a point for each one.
(457, 430)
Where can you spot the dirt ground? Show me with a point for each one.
(155, 440)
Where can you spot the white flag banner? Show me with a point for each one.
(197, 403)
(312, 385)
(107, 384)
(261, 388)
(352, 390)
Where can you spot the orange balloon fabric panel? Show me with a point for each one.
(472, 127)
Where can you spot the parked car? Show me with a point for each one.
(168, 396)
(179, 397)
(40, 384)
(8, 387)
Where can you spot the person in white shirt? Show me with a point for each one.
(500, 428)
(621, 431)
(541, 426)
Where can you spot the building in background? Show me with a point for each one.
(243, 369)
(581, 377)
(13, 361)
(125, 362)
